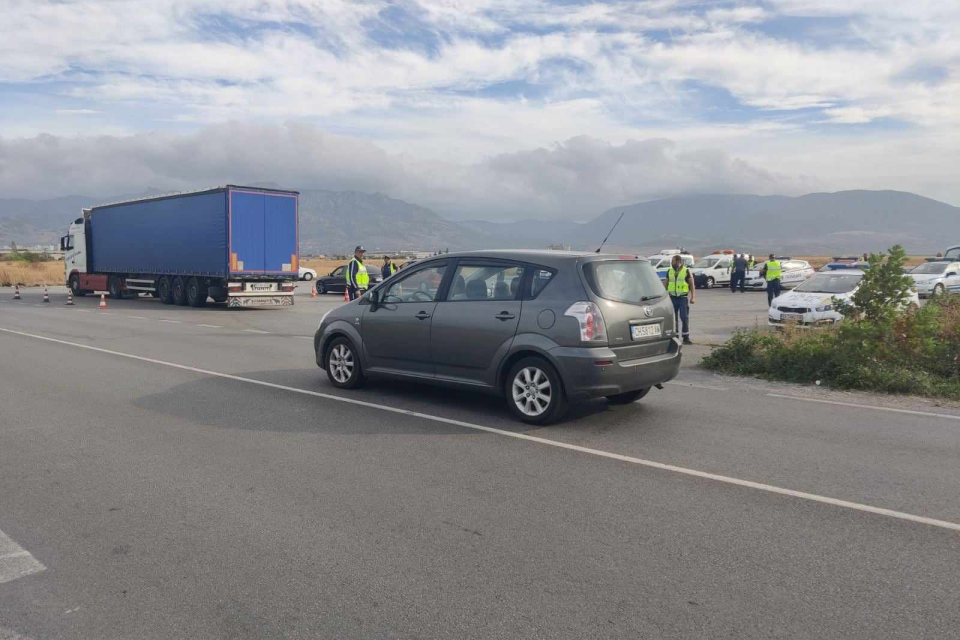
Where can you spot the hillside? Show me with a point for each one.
(825, 223)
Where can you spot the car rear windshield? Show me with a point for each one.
(632, 281)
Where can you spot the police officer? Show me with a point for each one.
(388, 268)
(773, 272)
(682, 293)
(357, 278)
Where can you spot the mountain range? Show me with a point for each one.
(816, 223)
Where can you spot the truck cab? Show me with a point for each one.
(74, 247)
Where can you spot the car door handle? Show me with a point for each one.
(423, 315)
(503, 315)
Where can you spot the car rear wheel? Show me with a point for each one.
(534, 392)
(343, 365)
(628, 397)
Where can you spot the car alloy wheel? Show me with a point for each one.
(532, 391)
(341, 363)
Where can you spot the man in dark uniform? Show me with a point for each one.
(739, 275)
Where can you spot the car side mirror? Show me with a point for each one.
(374, 300)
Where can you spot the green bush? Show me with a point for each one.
(879, 347)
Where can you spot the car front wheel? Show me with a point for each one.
(710, 283)
(308, 277)
(938, 290)
(534, 392)
(342, 365)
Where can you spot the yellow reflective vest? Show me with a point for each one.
(774, 270)
(360, 279)
(677, 284)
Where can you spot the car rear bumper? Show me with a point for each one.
(583, 378)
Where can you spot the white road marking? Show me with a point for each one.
(15, 561)
(680, 383)
(171, 321)
(255, 331)
(210, 326)
(856, 506)
(137, 317)
(928, 414)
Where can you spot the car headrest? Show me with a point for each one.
(477, 290)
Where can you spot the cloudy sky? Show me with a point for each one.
(493, 108)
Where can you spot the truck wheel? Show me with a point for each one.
(75, 286)
(343, 365)
(196, 293)
(179, 292)
(628, 397)
(115, 287)
(534, 392)
(164, 290)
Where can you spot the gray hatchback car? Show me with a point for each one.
(541, 328)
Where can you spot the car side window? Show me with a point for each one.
(724, 263)
(485, 282)
(421, 285)
(541, 278)
(337, 272)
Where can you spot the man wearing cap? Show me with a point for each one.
(357, 278)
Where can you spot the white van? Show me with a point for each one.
(661, 261)
(713, 270)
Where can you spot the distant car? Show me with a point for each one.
(814, 302)
(936, 277)
(539, 328)
(661, 262)
(713, 270)
(307, 274)
(336, 281)
(795, 272)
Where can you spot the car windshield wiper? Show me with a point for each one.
(646, 298)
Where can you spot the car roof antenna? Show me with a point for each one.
(611, 231)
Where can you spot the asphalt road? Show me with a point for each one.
(170, 472)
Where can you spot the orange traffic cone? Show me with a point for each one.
(16, 292)
(103, 301)
(46, 296)
(69, 298)
(346, 295)
(313, 292)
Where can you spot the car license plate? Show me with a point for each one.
(791, 317)
(640, 331)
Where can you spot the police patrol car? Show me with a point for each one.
(794, 273)
(815, 303)
(936, 276)
(713, 270)
(661, 261)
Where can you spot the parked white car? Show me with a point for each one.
(936, 277)
(795, 272)
(307, 274)
(812, 304)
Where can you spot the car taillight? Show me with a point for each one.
(592, 327)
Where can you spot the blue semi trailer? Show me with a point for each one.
(232, 244)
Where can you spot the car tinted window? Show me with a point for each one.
(541, 278)
(485, 282)
(337, 272)
(421, 285)
(630, 281)
(832, 282)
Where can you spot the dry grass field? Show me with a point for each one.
(31, 275)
